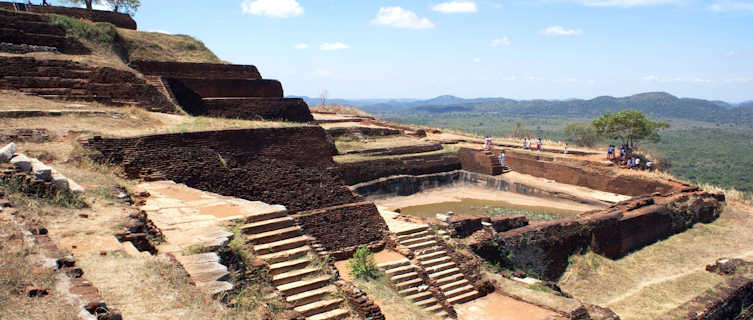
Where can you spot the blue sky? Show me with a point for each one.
(551, 49)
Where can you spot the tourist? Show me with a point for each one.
(488, 142)
(638, 163)
(502, 158)
(565, 149)
(538, 144)
(630, 163)
(648, 165)
(525, 143)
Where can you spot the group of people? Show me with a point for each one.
(627, 158)
(529, 145)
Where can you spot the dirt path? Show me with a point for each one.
(499, 307)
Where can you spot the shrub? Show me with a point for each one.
(101, 33)
(362, 264)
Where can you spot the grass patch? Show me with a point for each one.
(64, 199)
(102, 34)
(540, 287)
(158, 46)
(193, 124)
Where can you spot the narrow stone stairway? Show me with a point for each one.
(409, 285)
(438, 264)
(280, 242)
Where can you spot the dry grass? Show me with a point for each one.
(446, 149)
(340, 109)
(18, 259)
(732, 195)
(141, 45)
(191, 124)
(659, 277)
(393, 306)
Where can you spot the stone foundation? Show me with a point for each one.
(362, 171)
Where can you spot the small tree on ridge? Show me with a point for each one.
(628, 126)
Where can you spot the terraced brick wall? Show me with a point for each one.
(120, 20)
(291, 166)
(362, 171)
(196, 70)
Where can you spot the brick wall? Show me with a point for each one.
(120, 20)
(344, 228)
(234, 88)
(35, 30)
(289, 166)
(543, 249)
(362, 171)
(196, 70)
(478, 161)
(286, 109)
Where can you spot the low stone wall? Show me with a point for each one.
(294, 109)
(234, 88)
(193, 70)
(360, 302)
(120, 20)
(289, 166)
(343, 229)
(598, 178)
(543, 249)
(397, 150)
(362, 171)
(465, 225)
(366, 131)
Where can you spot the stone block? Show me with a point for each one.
(21, 163)
(59, 180)
(7, 152)
(41, 171)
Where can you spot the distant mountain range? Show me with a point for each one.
(655, 104)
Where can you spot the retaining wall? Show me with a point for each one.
(192, 70)
(291, 166)
(362, 171)
(543, 249)
(234, 88)
(286, 109)
(120, 20)
(343, 229)
(599, 178)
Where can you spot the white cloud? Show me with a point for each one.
(476, 60)
(300, 46)
(500, 42)
(400, 18)
(732, 5)
(510, 78)
(272, 8)
(731, 53)
(560, 31)
(628, 3)
(739, 80)
(456, 7)
(160, 31)
(333, 46)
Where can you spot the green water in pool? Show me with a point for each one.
(488, 208)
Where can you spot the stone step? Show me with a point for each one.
(214, 287)
(416, 229)
(454, 285)
(459, 291)
(440, 267)
(267, 225)
(413, 235)
(409, 242)
(275, 235)
(292, 276)
(449, 279)
(420, 296)
(393, 264)
(404, 277)
(409, 284)
(434, 262)
(265, 216)
(423, 245)
(431, 255)
(318, 307)
(463, 297)
(330, 315)
(400, 270)
(436, 309)
(310, 296)
(408, 291)
(296, 287)
(428, 250)
(444, 273)
(442, 315)
(285, 266)
(278, 246)
(426, 302)
(285, 255)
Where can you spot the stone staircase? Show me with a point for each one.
(409, 285)
(279, 241)
(440, 268)
(69, 80)
(157, 82)
(21, 28)
(496, 167)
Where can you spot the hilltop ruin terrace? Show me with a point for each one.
(160, 183)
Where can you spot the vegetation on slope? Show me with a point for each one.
(132, 45)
